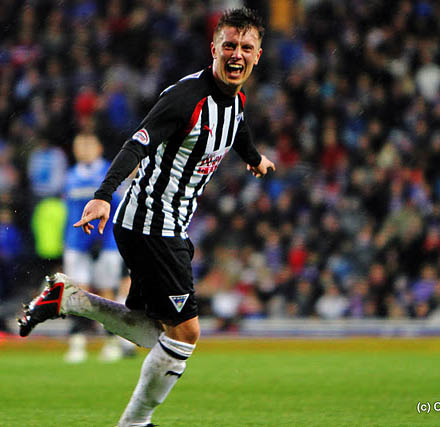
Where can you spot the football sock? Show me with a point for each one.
(161, 369)
(111, 350)
(77, 351)
(132, 325)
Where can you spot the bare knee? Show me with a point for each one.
(188, 331)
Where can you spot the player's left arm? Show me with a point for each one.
(257, 163)
(263, 167)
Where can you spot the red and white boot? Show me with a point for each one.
(49, 304)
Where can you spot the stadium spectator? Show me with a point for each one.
(9, 175)
(331, 304)
(303, 299)
(48, 222)
(47, 166)
(423, 288)
(11, 250)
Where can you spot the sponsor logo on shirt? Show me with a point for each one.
(210, 164)
(142, 137)
(208, 129)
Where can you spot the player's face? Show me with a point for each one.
(86, 148)
(234, 55)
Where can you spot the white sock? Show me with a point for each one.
(161, 369)
(133, 325)
(77, 351)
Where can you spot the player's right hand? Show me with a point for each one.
(95, 209)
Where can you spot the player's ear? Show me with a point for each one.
(213, 52)
(260, 51)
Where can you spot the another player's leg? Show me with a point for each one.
(160, 371)
(107, 270)
(61, 297)
(78, 264)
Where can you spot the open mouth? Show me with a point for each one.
(235, 69)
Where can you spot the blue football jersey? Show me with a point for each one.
(81, 184)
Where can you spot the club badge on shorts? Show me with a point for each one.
(178, 301)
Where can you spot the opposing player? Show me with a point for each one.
(178, 147)
(92, 261)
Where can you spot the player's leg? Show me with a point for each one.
(128, 348)
(129, 323)
(164, 365)
(62, 297)
(174, 303)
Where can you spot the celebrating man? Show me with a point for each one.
(178, 146)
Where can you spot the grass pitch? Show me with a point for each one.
(234, 383)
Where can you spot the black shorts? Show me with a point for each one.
(161, 275)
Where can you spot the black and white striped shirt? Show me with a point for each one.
(179, 146)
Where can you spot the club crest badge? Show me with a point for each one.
(178, 301)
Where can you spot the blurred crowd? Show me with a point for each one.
(346, 101)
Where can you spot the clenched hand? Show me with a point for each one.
(262, 169)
